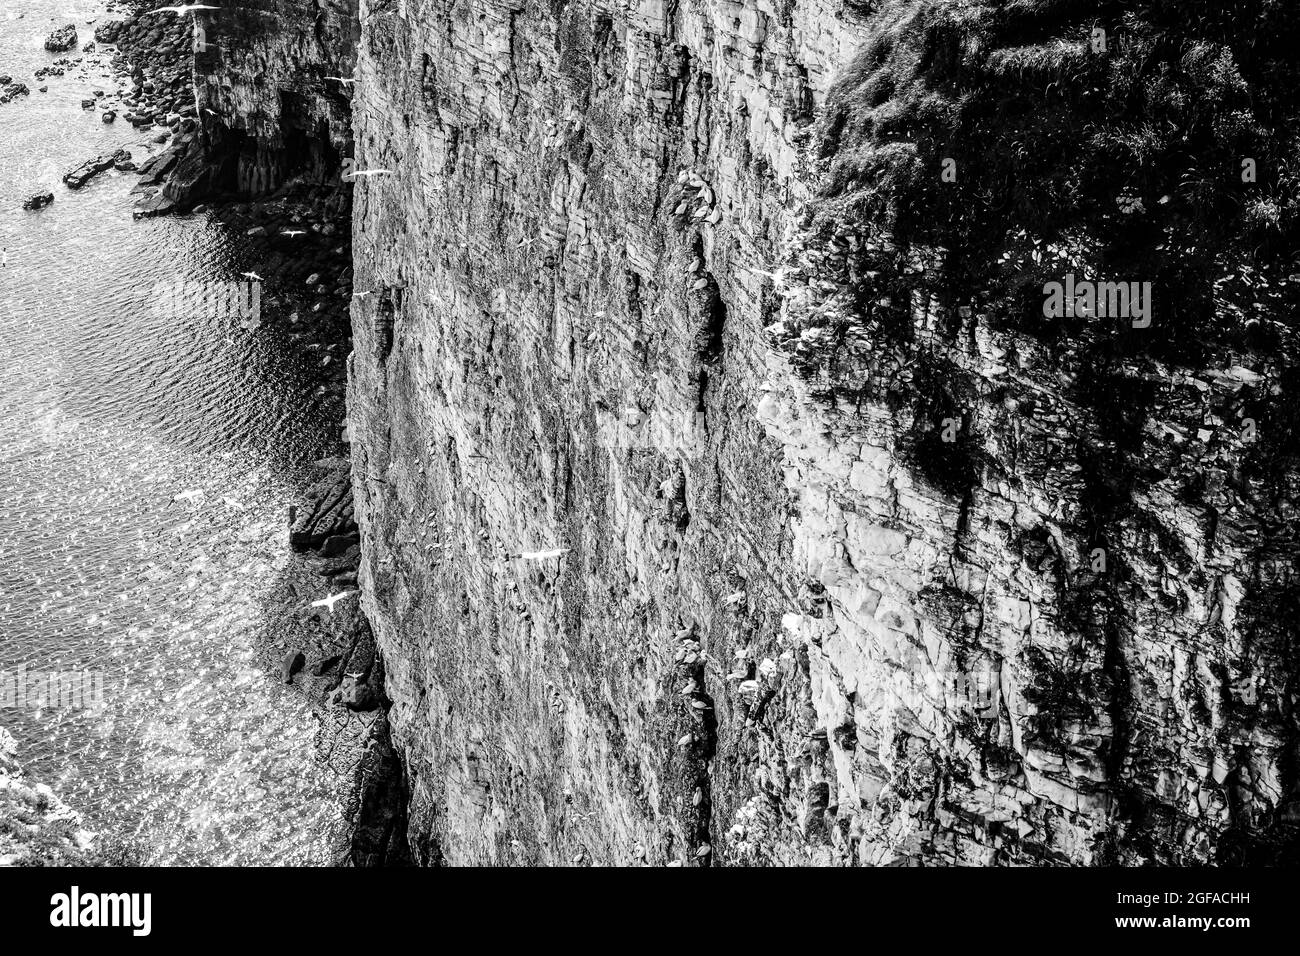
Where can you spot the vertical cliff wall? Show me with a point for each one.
(851, 569)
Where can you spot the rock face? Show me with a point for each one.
(723, 495)
(567, 351)
(851, 570)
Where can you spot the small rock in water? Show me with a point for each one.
(64, 38)
(8, 90)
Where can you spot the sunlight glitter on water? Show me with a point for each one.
(108, 411)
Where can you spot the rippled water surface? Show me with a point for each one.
(109, 409)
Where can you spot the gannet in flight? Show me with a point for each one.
(777, 277)
(543, 555)
(330, 601)
(184, 8)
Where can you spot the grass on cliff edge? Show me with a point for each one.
(1117, 160)
(1131, 155)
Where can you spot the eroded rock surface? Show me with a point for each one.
(828, 593)
(324, 519)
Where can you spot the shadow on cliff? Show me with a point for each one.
(990, 149)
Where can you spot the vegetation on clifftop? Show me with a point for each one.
(1111, 135)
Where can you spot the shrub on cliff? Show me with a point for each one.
(1155, 140)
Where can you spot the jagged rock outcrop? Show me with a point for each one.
(10, 89)
(379, 836)
(851, 569)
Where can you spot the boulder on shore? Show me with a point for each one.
(80, 175)
(326, 514)
(8, 90)
(110, 31)
(64, 38)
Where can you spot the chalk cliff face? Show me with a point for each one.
(849, 571)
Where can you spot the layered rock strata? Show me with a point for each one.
(687, 540)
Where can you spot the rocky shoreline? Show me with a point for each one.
(36, 827)
(333, 658)
(147, 56)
